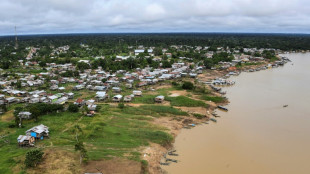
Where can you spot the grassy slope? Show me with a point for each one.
(112, 132)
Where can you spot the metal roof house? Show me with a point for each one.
(38, 132)
(159, 99)
(25, 140)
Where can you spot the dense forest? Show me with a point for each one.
(110, 45)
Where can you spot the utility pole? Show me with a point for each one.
(16, 44)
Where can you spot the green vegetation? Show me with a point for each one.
(215, 99)
(185, 101)
(145, 99)
(73, 108)
(188, 85)
(154, 110)
(33, 157)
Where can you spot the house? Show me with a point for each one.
(25, 140)
(61, 100)
(78, 87)
(24, 115)
(116, 89)
(159, 99)
(128, 85)
(70, 95)
(34, 100)
(11, 100)
(79, 102)
(127, 98)
(90, 102)
(38, 132)
(117, 98)
(137, 93)
(101, 95)
(92, 107)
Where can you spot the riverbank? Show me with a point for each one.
(158, 153)
(258, 134)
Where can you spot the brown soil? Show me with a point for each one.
(56, 161)
(113, 166)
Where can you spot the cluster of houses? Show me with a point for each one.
(33, 134)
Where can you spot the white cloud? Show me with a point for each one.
(58, 16)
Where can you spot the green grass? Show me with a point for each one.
(112, 132)
(154, 110)
(185, 101)
(215, 99)
(145, 99)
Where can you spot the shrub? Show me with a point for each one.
(33, 158)
(73, 108)
(121, 105)
(188, 85)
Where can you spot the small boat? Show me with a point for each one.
(212, 119)
(222, 107)
(285, 106)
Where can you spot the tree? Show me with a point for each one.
(73, 108)
(33, 158)
(188, 85)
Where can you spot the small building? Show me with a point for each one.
(127, 98)
(137, 93)
(79, 102)
(70, 95)
(101, 96)
(25, 140)
(116, 89)
(117, 98)
(159, 99)
(38, 132)
(24, 115)
(92, 107)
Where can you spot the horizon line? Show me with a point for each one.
(164, 32)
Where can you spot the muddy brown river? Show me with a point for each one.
(258, 135)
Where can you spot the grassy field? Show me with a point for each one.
(185, 101)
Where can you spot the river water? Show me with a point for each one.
(258, 135)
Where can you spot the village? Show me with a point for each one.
(92, 91)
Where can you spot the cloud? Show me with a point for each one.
(67, 16)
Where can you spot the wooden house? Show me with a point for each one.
(25, 140)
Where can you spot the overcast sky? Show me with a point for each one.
(102, 16)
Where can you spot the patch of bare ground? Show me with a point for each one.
(56, 161)
(8, 116)
(113, 166)
(178, 93)
(194, 110)
(153, 154)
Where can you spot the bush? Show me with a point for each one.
(121, 105)
(73, 108)
(33, 158)
(188, 85)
